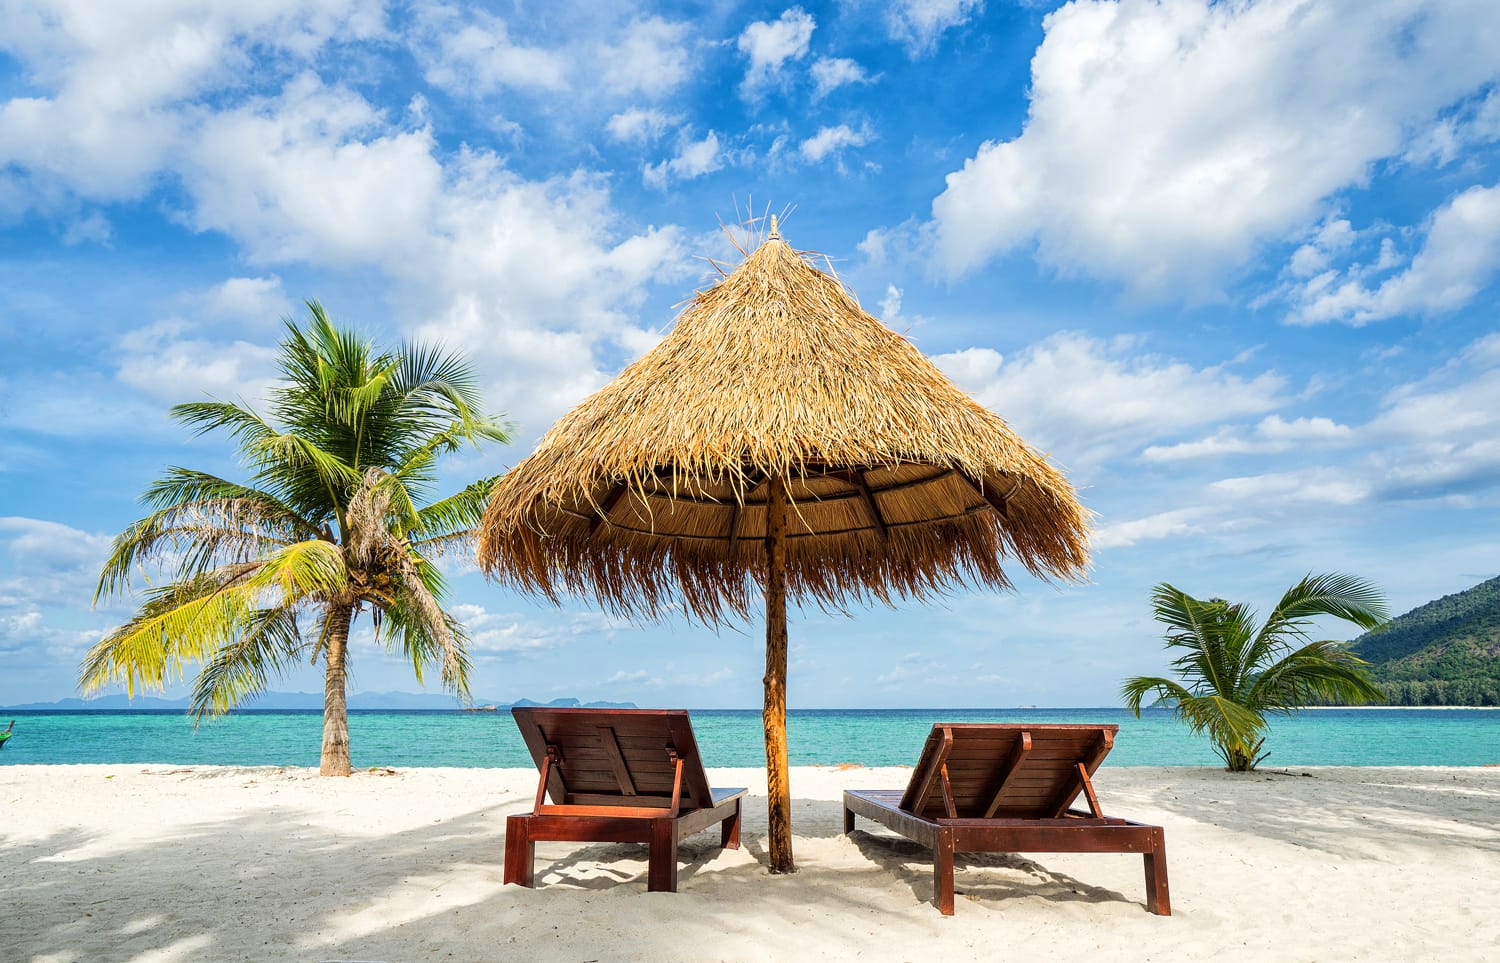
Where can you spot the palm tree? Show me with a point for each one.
(331, 523)
(1233, 673)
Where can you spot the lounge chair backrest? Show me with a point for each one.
(1005, 770)
(615, 757)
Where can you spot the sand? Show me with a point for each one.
(210, 863)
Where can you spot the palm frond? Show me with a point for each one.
(268, 645)
(185, 486)
(403, 628)
(1319, 672)
(1195, 623)
(1226, 721)
(1167, 692)
(459, 514)
(200, 536)
(245, 426)
(181, 622)
(418, 460)
(311, 569)
(331, 477)
(1333, 594)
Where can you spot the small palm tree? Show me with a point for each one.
(330, 524)
(1233, 673)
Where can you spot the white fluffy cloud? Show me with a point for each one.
(480, 257)
(1460, 254)
(1177, 523)
(1272, 434)
(1316, 486)
(47, 566)
(832, 140)
(117, 77)
(1085, 400)
(507, 636)
(769, 44)
(474, 54)
(314, 174)
(534, 277)
(1434, 439)
(1440, 436)
(694, 158)
(1440, 144)
(651, 58)
(51, 547)
(471, 53)
(172, 369)
(258, 300)
(1166, 139)
(919, 23)
(639, 125)
(831, 73)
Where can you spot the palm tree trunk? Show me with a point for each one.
(335, 761)
(773, 718)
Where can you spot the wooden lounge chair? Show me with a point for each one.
(617, 775)
(1009, 788)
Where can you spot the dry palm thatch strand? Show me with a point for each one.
(653, 490)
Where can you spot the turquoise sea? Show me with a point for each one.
(732, 738)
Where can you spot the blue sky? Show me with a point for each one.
(1232, 266)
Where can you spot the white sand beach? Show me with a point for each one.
(212, 863)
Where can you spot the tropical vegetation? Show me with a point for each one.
(334, 520)
(1232, 672)
(1446, 652)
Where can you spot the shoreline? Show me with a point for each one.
(251, 710)
(232, 863)
(173, 768)
(1401, 708)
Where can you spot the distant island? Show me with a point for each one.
(296, 701)
(1444, 653)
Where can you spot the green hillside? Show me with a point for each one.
(1446, 652)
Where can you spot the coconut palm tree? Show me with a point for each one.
(1233, 673)
(272, 572)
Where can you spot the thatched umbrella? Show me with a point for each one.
(778, 438)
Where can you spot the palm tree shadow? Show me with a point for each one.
(1342, 812)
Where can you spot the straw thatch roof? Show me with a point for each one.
(652, 491)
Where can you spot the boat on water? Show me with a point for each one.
(5, 736)
(477, 709)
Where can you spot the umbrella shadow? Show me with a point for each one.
(72, 892)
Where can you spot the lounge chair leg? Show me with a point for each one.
(520, 851)
(661, 872)
(729, 833)
(848, 820)
(1158, 900)
(942, 872)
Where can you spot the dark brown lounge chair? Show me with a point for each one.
(617, 775)
(1008, 788)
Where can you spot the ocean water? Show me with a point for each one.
(732, 738)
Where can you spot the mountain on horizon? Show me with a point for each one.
(1446, 652)
(284, 701)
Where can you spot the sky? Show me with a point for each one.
(1231, 266)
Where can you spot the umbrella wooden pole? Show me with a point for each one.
(779, 791)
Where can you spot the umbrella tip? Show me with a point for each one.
(775, 234)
